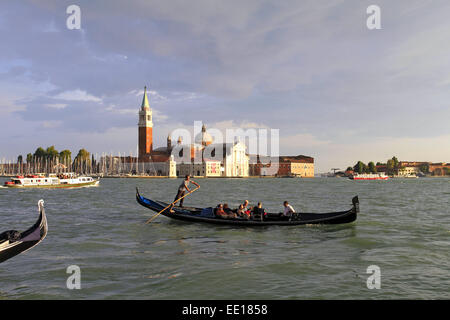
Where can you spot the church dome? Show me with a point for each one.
(204, 138)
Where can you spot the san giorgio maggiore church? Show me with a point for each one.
(161, 161)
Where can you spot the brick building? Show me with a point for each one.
(299, 166)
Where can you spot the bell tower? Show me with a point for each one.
(145, 128)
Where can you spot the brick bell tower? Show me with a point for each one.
(145, 129)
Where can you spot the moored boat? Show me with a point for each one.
(369, 176)
(13, 242)
(62, 180)
(193, 214)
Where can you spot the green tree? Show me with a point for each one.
(83, 154)
(359, 167)
(395, 160)
(29, 158)
(20, 159)
(51, 152)
(390, 166)
(65, 157)
(82, 160)
(39, 153)
(349, 169)
(372, 168)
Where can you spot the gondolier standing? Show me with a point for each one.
(184, 186)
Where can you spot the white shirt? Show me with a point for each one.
(288, 210)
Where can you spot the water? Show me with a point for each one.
(403, 227)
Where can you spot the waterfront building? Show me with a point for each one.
(296, 166)
(232, 162)
(207, 168)
(145, 130)
(407, 171)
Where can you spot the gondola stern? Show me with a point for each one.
(355, 202)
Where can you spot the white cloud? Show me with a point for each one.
(56, 105)
(77, 95)
(50, 124)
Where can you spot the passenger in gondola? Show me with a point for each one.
(229, 211)
(240, 211)
(288, 210)
(245, 205)
(258, 212)
(220, 212)
(184, 186)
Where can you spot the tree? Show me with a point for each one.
(29, 158)
(390, 166)
(82, 160)
(20, 159)
(359, 167)
(395, 160)
(39, 153)
(51, 152)
(83, 154)
(65, 157)
(349, 169)
(372, 168)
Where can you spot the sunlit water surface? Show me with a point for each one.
(403, 227)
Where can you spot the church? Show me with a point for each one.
(232, 162)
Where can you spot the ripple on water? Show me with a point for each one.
(403, 227)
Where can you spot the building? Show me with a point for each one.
(407, 171)
(145, 130)
(204, 159)
(209, 168)
(215, 159)
(298, 166)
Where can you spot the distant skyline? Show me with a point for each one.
(337, 91)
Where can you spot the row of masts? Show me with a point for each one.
(105, 165)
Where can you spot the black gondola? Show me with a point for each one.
(13, 242)
(192, 214)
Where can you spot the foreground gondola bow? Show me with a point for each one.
(13, 242)
(206, 215)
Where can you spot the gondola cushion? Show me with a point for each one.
(207, 212)
(10, 235)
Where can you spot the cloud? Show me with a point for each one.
(77, 95)
(311, 69)
(55, 105)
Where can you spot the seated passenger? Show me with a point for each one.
(228, 211)
(219, 212)
(240, 211)
(258, 212)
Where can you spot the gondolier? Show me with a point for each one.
(184, 186)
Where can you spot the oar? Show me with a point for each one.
(152, 218)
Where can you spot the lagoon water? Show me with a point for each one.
(403, 227)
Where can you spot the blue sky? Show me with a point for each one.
(336, 90)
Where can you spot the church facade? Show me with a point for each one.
(232, 160)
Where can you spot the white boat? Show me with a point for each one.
(369, 176)
(62, 180)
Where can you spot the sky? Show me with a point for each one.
(336, 90)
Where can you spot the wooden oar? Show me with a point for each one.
(152, 218)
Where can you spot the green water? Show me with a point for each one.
(403, 227)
